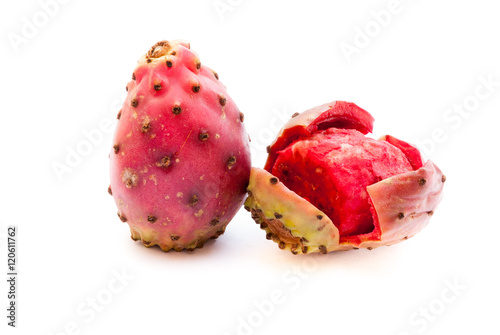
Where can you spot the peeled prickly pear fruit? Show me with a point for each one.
(180, 161)
(326, 186)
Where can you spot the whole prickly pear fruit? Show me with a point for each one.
(326, 186)
(180, 161)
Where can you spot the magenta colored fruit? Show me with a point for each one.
(327, 187)
(180, 161)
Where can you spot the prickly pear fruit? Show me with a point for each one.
(180, 161)
(326, 186)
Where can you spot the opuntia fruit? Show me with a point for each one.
(180, 159)
(326, 186)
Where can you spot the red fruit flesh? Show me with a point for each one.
(336, 114)
(332, 168)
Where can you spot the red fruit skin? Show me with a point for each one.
(400, 204)
(180, 161)
(405, 203)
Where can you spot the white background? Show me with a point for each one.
(275, 58)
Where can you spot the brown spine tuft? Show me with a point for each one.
(231, 161)
(122, 217)
(194, 200)
(176, 109)
(145, 126)
(165, 162)
(203, 137)
(222, 100)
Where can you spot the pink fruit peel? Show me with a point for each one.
(180, 161)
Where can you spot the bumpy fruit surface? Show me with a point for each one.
(326, 186)
(180, 161)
